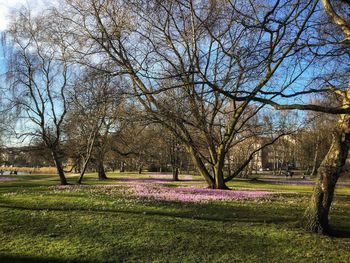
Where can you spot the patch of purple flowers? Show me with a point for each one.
(193, 194)
(154, 187)
(6, 179)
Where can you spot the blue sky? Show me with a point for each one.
(2, 59)
(6, 7)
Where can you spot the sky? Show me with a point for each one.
(6, 6)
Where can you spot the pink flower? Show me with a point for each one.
(193, 194)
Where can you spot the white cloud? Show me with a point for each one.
(6, 6)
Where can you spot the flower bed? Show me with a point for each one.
(193, 194)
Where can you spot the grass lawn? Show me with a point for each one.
(103, 222)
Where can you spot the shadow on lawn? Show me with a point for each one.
(23, 259)
(206, 212)
(262, 213)
(339, 232)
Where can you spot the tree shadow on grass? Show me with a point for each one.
(24, 259)
(339, 232)
(206, 212)
(267, 212)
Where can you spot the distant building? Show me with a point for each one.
(280, 154)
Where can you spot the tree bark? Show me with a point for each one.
(175, 171)
(219, 174)
(83, 170)
(201, 168)
(228, 164)
(59, 167)
(316, 217)
(122, 166)
(217, 181)
(101, 170)
(314, 165)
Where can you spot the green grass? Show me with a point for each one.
(42, 223)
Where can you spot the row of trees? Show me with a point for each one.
(208, 72)
(139, 145)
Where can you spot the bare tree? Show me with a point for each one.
(316, 217)
(321, 46)
(93, 113)
(333, 49)
(39, 75)
(179, 57)
(314, 140)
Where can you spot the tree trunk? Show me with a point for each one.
(59, 167)
(274, 161)
(316, 216)
(83, 170)
(122, 166)
(228, 164)
(201, 168)
(214, 182)
(175, 171)
(140, 169)
(314, 165)
(281, 165)
(101, 170)
(219, 175)
(247, 171)
(219, 181)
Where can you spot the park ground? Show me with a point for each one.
(149, 218)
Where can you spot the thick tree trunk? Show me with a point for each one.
(316, 216)
(228, 165)
(59, 167)
(101, 170)
(214, 182)
(219, 175)
(175, 171)
(220, 182)
(201, 168)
